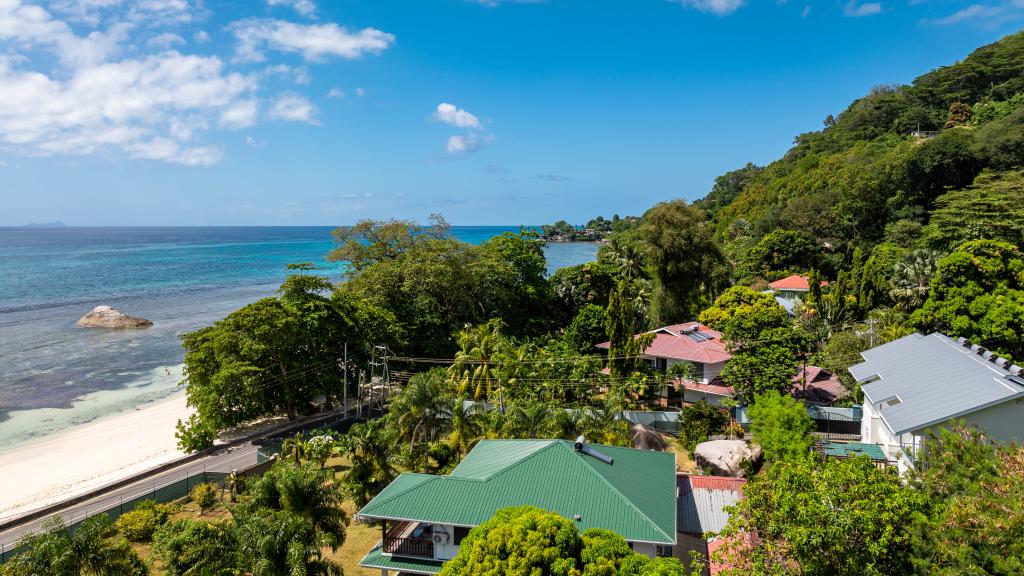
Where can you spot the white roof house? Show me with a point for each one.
(918, 383)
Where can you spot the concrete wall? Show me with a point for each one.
(448, 550)
(643, 548)
(1003, 422)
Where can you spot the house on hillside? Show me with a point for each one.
(791, 289)
(700, 347)
(919, 383)
(702, 511)
(424, 518)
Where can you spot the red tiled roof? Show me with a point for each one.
(669, 342)
(794, 282)
(822, 387)
(742, 542)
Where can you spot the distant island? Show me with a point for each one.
(57, 224)
(596, 230)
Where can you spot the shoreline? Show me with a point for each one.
(62, 465)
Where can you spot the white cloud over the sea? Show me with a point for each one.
(855, 9)
(100, 77)
(303, 7)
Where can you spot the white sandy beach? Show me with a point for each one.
(73, 461)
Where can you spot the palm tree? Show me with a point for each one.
(529, 420)
(421, 410)
(474, 362)
(294, 448)
(303, 490)
(369, 446)
(278, 542)
(467, 424)
(57, 551)
(604, 423)
(912, 279)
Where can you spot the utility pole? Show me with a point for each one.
(344, 393)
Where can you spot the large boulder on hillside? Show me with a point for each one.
(726, 457)
(107, 317)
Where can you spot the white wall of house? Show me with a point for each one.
(643, 548)
(1002, 422)
(692, 396)
(447, 549)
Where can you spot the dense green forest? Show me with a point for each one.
(929, 165)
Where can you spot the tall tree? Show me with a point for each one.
(781, 426)
(688, 265)
(84, 551)
(625, 349)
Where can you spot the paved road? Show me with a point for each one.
(224, 461)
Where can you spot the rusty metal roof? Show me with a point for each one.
(702, 502)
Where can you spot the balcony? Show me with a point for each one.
(410, 539)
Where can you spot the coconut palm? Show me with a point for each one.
(277, 542)
(303, 490)
(369, 446)
(420, 412)
(294, 448)
(912, 278)
(474, 365)
(58, 551)
(530, 420)
(467, 424)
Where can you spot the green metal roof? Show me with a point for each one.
(376, 559)
(635, 496)
(848, 449)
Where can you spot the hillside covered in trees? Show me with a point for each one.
(929, 165)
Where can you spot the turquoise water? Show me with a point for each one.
(180, 278)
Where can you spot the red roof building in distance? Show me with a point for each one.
(794, 283)
(698, 345)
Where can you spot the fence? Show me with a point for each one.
(161, 493)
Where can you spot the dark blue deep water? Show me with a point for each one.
(54, 375)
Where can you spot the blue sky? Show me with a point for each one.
(239, 112)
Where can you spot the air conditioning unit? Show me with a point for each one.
(440, 538)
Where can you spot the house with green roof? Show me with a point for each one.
(425, 517)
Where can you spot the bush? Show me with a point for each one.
(139, 524)
(193, 547)
(699, 422)
(205, 496)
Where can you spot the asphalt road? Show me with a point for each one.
(224, 461)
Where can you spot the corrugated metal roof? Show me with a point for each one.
(634, 496)
(377, 559)
(702, 502)
(850, 449)
(930, 379)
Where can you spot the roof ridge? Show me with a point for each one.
(550, 443)
(629, 501)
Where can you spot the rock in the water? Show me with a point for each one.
(725, 457)
(107, 317)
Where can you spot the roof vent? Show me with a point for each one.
(580, 443)
(1017, 370)
(988, 355)
(963, 342)
(582, 448)
(1002, 363)
(977, 349)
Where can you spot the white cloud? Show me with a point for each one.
(335, 93)
(303, 7)
(314, 41)
(464, 143)
(202, 36)
(806, 11)
(298, 74)
(361, 92)
(148, 12)
(455, 116)
(854, 9)
(165, 40)
(495, 3)
(241, 114)
(293, 108)
(717, 7)
(30, 26)
(985, 14)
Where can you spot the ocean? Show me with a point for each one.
(54, 375)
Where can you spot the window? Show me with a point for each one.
(663, 551)
(460, 533)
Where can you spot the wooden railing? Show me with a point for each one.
(417, 547)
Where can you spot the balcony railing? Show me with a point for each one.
(416, 547)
